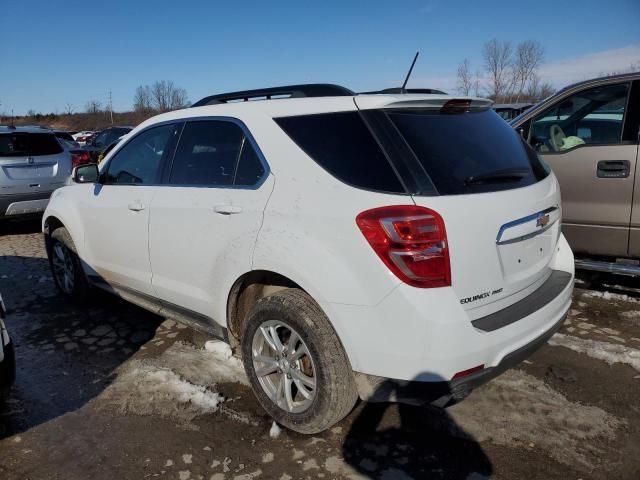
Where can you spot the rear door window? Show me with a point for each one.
(342, 144)
(207, 154)
(21, 144)
(250, 169)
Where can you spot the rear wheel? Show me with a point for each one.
(296, 364)
(66, 266)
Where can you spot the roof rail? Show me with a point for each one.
(288, 91)
(432, 91)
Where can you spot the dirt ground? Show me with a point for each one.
(110, 391)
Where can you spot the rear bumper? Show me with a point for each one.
(23, 204)
(7, 370)
(425, 335)
(444, 393)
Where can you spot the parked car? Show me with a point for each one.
(7, 357)
(83, 136)
(33, 163)
(95, 146)
(588, 134)
(67, 139)
(343, 242)
(509, 111)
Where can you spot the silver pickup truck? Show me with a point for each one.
(588, 134)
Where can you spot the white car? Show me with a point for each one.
(7, 357)
(393, 247)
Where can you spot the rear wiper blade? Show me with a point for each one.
(504, 175)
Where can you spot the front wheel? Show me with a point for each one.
(66, 266)
(296, 364)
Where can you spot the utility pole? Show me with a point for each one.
(111, 107)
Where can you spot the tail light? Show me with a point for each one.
(78, 158)
(411, 241)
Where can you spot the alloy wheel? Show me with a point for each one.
(284, 366)
(63, 268)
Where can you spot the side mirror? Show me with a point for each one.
(87, 173)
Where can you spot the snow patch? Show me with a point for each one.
(610, 296)
(149, 390)
(605, 351)
(179, 383)
(275, 430)
(532, 412)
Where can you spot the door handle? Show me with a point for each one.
(136, 206)
(613, 168)
(227, 209)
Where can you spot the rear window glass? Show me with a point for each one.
(470, 152)
(21, 144)
(207, 154)
(342, 144)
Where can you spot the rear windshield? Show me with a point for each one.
(422, 152)
(469, 152)
(21, 144)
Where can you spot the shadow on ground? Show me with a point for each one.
(418, 442)
(65, 354)
(608, 282)
(23, 226)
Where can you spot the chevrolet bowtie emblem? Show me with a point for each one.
(543, 220)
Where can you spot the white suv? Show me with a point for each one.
(393, 247)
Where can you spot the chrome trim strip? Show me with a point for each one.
(520, 221)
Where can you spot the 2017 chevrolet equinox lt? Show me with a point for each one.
(346, 244)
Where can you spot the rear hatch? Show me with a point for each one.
(32, 162)
(499, 202)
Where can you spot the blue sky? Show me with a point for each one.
(54, 53)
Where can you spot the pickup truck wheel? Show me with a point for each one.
(296, 364)
(66, 266)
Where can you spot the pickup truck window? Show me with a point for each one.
(592, 116)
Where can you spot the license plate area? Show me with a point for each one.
(525, 246)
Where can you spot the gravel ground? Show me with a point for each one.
(110, 391)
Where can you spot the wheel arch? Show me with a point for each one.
(256, 284)
(246, 291)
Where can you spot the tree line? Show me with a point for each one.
(508, 74)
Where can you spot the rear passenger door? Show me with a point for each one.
(583, 138)
(206, 215)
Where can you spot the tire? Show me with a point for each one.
(66, 266)
(316, 357)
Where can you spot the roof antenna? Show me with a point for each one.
(403, 89)
(13, 124)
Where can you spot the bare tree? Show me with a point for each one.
(465, 77)
(497, 62)
(167, 96)
(528, 57)
(546, 90)
(93, 106)
(477, 83)
(536, 90)
(143, 99)
(69, 108)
